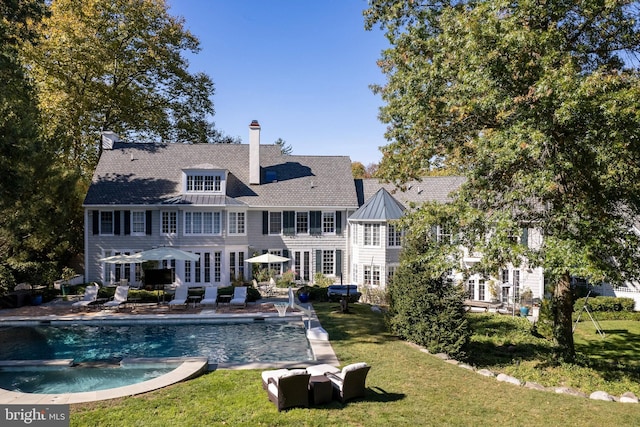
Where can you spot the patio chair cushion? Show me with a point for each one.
(275, 373)
(353, 367)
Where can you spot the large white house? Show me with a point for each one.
(228, 202)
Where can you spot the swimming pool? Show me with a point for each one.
(244, 342)
(33, 379)
(105, 344)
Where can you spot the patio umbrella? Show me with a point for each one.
(166, 252)
(267, 259)
(122, 259)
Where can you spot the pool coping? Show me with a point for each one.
(189, 368)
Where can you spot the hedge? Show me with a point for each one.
(605, 304)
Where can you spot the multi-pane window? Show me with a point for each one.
(394, 235)
(232, 265)
(481, 290)
(302, 222)
(198, 269)
(328, 222)
(372, 274)
(277, 267)
(217, 266)
(106, 222)
(471, 288)
(372, 234)
(169, 222)
(275, 222)
(207, 267)
(204, 183)
(391, 270)
(327, 262)
(443, 234)
(202, 223)
(137, 222)
(236, 223)
(504, 276)
(240, 264)
(516, 285)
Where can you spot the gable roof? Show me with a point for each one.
(139, 174)
(381, 207)
(428, 189)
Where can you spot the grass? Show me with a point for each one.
(405, 387)
(505, 344)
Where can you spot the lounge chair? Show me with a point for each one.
(180, 297)
(350, 382)
(289, 389)
(90, 297)
(210, 296)
(239, 296)
(119, 298)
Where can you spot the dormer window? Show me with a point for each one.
(203, 181)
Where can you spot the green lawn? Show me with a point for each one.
(405, 387)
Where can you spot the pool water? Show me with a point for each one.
(220, 343)
(74, 379)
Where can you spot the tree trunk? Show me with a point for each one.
(562, 309)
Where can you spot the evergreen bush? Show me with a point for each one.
(428, 311)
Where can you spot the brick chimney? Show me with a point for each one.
(254, 152)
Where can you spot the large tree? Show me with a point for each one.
(538, 104)
(118, 65)
(38, 200)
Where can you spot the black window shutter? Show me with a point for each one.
(265, 222)
(338, 271)
(318, 261)
(315, 218)
(148, 226)
(127, 223)
(285, 253)
(96, 221)
(524, 241)
(116, 222)
(338, 222)
(289, 220)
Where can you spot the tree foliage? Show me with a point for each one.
(39, 201)
(285, 148)
(538, 104)
(118, 65)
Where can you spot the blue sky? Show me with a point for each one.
(302, 68)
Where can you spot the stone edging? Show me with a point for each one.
(627, 397)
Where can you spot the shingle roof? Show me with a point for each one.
(381, 207)
(429, 189)
(134, 174)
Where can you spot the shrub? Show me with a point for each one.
(7, 281)
(605, 304)
(544, 325)
(428, 311)
(316, 293)
(321, 280)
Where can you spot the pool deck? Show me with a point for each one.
(61, 312)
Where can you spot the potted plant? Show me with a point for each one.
(526, 299)
(303, 294)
